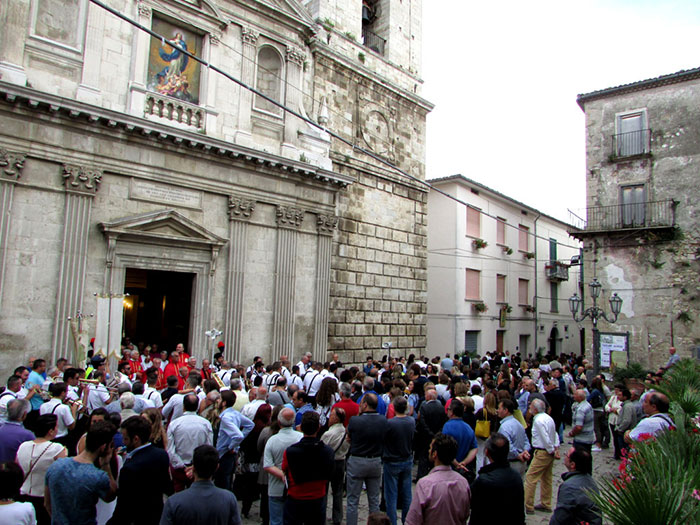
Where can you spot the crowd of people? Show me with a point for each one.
(163, 440)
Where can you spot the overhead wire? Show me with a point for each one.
(307, 120)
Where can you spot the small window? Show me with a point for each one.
(524, 346)
(500, 288)
(523, 292)
(552, 249)
(500, 231)
(631, 134)
(269, 79)
(554, 297)
(633, 207)
(473, 222)
(471, 341)
(473, 292)
(523, 238)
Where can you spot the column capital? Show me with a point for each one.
(326, 224)
(79, 179)
(289, 217)
(240, 209)
(144, 10)
(249, 36)
(295, 55)
(11, 164)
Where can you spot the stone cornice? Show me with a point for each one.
(51, 105)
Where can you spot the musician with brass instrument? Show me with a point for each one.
(99, 396)
(65, 413)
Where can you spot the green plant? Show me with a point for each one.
(303, 158)
(684, 317)
(529, 308)
(479, 244)
(480, 307)
(350, 35)
(631, 371)
(508, 308)
(361, 57)
(656, 264)
(529, 255)
(327, 23)
(509, 251)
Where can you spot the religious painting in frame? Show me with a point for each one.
(171, 72)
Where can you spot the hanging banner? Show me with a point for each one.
(114, 345)
(102, 325)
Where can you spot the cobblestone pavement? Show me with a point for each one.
(603, 467)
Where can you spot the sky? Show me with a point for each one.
(504, 76)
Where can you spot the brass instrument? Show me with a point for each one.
(218, 380)
(95, 383)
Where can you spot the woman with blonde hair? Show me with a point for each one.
(158, 435)
(489, 413)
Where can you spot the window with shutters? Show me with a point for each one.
(633, 205)
(554, 297)
(523, 238)
(473, 292)
(471, 341)
(523, 292)
(473, 222)
(632, 136)
(500, 288)
(500, 231)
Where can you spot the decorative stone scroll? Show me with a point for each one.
(239, 208)
(295, 55)
(11, 164)
(326, 224)
(289, 217)
(248, 36)
(214, 39)
(81, 179)
(144, 10)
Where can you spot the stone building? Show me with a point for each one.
(499, 274)
(129, 167)
(641, 232)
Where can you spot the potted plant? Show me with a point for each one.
(529, 308)
(508, 308)
(479, 244)
(480, 307)
(507, 250)
(529, 255)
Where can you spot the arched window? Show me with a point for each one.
(269, 79)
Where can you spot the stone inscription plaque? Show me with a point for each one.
(155, 192)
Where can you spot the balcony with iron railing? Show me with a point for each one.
(373, 41)
(631, 144)
(556, 271)
(654, 215)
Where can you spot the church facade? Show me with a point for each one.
(133, 172)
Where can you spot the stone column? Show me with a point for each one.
(211, 82)
(11, 164)
(81, 184)
(288, 221)
(326, 227)
(244, 135)
(139, 63)
(239, 211)
(295, 61)
(88, 89)
(14, 17)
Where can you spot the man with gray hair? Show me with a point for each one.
(368, 388)
(346, 403)
(13, 433)
(272, 463)
(260, 398)
(545, 449)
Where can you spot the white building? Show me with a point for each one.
(499, 274)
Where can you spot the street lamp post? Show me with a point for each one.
(595, 313)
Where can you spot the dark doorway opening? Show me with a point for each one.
(553, 340)
(157, 309)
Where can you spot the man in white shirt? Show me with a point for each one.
(174, 408)
(64, 413)
(304, 364)
(313, 379)
(273, 376)
(185, 434)
(150, 393)
(14, 385)
(545, 449)
(477, 397)
(295, 377)
(225, 374)
(260, 399)
(98, 395)
(655, 406)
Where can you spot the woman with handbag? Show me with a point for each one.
(35, 457)
(487, 422)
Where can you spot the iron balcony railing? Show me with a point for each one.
(373, 41)
(631, 143)
(639, 215)
(556, 271)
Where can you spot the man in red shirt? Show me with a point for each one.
(183, 356)
(346, 403)
(136, 366)
(171, 369)
(308, 466)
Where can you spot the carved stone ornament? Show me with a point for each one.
(144, 10)
(249, 36)
(295, 55)
(240, 208)
(11, 164)
(214, 39)
(289, 217)
(80, 179)
(326, 224)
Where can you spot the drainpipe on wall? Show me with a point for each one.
(537, 310)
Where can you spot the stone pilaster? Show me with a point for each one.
(88, 90)
(81, 183)
(13, 17)
(288, 221)
(139, 65)
(326, 225)
(249, 40)
(239, 211)
(11, 165)
(295, 61)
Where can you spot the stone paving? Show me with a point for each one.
(604, 466)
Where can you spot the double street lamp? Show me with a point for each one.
(595, 313)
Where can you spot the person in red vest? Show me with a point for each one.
(184, 356)
(171, 369)
(136, 366)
